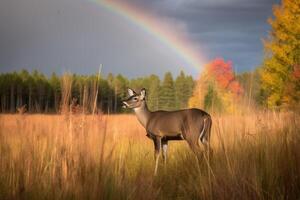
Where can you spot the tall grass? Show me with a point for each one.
(66, 86)
(255, 156)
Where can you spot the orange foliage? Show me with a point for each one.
(223, 74)
(296, 72)
(236, 88)
(226, 92)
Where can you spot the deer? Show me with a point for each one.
(192, 125)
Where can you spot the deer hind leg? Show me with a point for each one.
(164, 146)
(205, 136)
(157, 146)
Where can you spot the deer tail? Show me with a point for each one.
(205, 133)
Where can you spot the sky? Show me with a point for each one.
(78, 35)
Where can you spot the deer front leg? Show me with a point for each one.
(164, 146)
(157, 146)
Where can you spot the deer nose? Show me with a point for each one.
(125, 104)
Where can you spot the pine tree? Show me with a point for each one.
(167, 93)
(189, 88)
(153, 92)
(4, 92)
(212, 100)
(120, 87)
(183, 90)
(110, 80)
(56, 90)
(180, 90)
(13, 77)
(281, 65)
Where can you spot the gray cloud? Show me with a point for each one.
(236, 32)
(76, 35)
(229, 28)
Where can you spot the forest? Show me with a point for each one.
(42, 94)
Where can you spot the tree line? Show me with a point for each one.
(43, 94)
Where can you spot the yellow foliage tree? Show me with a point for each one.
(280, 69)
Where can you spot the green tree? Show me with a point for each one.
(40, 83)
(110, 80)
(4, 92)
(180, 90)
(13, 78)
(120, 84)
(281, 65)
(189, 88)
(250, 82)
(104, 92)
(139, 83)
(56, 90)
(153, 92)
(212, 101)
(167, 93)
(183, 90)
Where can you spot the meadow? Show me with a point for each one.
(255, 156)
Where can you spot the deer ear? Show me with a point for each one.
(130, 92)
(143, 93)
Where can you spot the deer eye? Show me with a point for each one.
(135, 98)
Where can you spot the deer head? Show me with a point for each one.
(135, 100)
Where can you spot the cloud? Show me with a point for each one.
(60, 35)
(222, 27)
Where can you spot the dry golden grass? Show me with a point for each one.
(256, 156)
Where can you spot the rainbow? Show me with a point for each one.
(161, 31)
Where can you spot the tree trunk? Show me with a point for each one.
(116, 99)
(12, 98)
(19, 97)
(3, 103)
(56, 101)
(30, 99)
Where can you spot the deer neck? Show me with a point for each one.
(143, 114)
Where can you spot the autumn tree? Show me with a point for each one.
(217, 88)
(280, 71)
